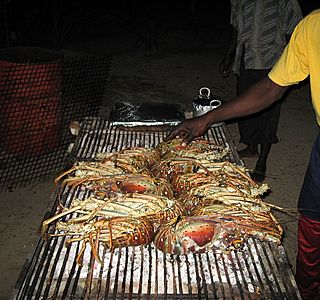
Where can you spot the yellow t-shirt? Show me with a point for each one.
(301, 58)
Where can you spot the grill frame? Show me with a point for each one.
(261, 271)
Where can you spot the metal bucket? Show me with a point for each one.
(203, 103)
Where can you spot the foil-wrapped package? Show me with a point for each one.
(136, 114)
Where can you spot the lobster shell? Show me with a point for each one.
(192, 235)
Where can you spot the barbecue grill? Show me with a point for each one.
(259, 271)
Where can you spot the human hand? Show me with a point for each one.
(188, 130)
(225, 67)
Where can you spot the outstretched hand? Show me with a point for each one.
(188, 130)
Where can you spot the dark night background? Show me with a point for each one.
(192, 37)
(53, 23)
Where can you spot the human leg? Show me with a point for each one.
(257, 129)
(309, 199)
(308, 258)
(246, 130)
(250, 127)
(259, 173)
(268, 125)
(250, 151)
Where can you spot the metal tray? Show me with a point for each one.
(146, 114)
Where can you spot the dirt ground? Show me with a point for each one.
(174, 73)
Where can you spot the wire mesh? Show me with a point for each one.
(39, 98)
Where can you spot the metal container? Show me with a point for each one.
(204, 102)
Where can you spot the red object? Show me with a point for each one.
(30, 106)
(308, 258)
(201, 234)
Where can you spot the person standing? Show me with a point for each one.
(261, 29)
(300, 59)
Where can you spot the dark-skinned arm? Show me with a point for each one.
(256, 98)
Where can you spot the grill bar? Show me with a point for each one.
(125, 274)
(259, 271)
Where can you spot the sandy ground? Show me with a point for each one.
(182, 65)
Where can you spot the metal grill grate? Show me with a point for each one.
(98, 135)
(38, 100)
(260, 271)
